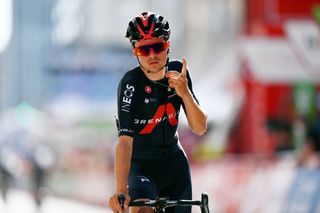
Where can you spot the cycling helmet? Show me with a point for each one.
(147, 25)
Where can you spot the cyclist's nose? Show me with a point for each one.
(152, 53)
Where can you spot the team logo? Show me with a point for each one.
(159, 116)
(127, 98)
(148, 89)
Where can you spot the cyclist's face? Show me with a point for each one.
(156, 59)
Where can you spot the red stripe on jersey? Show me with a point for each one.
(158, 116)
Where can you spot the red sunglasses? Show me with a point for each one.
(145, 50)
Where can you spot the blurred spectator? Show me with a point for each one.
(42, 160)
(309, 155)
(280, 134)
(5, 178)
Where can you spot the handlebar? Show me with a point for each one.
(160, 204)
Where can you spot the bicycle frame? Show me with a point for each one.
(160, 204)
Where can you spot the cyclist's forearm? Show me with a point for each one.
(122, 163)
(197, 118)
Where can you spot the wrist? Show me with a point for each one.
(122, 191)
(187, 95)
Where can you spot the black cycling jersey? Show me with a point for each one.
(149, 111)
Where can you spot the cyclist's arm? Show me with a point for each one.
(122, 163)
(197, 118)
(123, 150)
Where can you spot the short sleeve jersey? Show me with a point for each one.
(149, 111)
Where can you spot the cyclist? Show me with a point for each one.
(149, 160)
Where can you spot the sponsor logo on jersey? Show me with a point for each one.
(127, 98)
(159, 116)
(149, 100)
(143, 179)
(148, 89)
(125, 130)
(153, 120)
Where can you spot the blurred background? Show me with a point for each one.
(255, 66)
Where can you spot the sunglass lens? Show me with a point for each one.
(145, 50)
(158, 48)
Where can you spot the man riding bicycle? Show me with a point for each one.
(149, 160)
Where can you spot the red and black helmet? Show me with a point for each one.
(147, 25)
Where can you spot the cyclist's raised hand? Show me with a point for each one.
(177, 80)
(119, 202)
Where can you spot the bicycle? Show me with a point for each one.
(160, 204)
